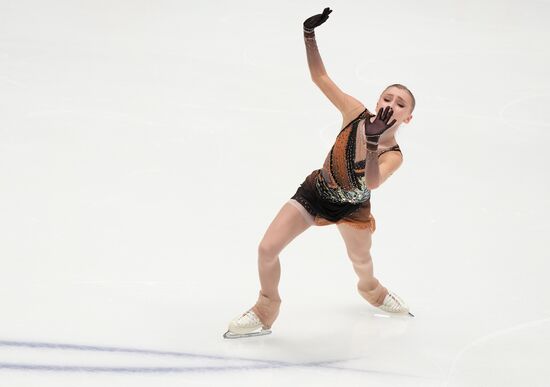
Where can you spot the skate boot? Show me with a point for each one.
(256, 321)
(394, 304)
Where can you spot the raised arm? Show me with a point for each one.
(343, 102)
(377, 171)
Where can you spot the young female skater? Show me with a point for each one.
(363, 156)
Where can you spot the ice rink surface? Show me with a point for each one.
(146, 146)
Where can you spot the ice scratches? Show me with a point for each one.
(239, 364)
(491, 336)
(229, 364)
(509, 115)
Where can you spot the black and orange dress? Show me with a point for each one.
(337, 193)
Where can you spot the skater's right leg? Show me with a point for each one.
(287, 225)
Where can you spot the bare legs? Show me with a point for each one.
(290, 222)
(358, 243)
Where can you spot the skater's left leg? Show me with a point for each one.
(358, 243)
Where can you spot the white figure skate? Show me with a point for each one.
(249, 324)
(246, 325)
(394, 304)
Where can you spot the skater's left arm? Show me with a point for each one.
(378, 169)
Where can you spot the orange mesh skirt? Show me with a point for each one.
(325, 213)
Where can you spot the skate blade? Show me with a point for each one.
(398, 313)
(231, 335)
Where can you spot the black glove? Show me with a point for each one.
(315, 21)
(374, 129)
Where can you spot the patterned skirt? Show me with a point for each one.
(357, 215)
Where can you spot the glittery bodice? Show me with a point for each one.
(342, 178)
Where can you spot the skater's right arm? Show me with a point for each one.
(343, 102)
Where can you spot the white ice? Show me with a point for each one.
(146, 146)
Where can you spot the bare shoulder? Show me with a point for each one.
(388, 163)
(391, 160)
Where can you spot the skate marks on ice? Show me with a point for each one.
(528, 357)
(22, 349)
(78, 359)
(532, 103)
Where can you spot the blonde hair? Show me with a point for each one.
(403, 87)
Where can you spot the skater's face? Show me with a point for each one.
(400, 102)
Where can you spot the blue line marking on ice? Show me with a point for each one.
(259, 364)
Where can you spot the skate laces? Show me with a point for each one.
(393, 303)
(249, 318)
(251, 315)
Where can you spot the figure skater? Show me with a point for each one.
(365, 153)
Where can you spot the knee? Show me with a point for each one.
(268, 250)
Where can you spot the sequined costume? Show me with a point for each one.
(337, 193)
